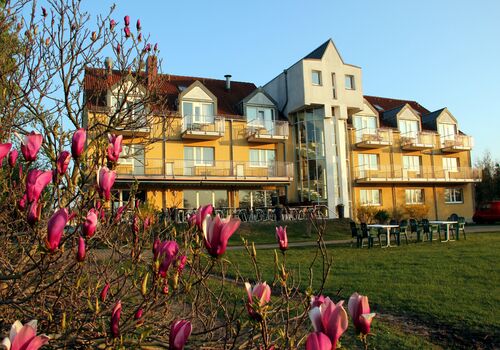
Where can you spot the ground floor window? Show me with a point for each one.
(453, 195)
(254, 199)
(197, 198)
(369, 197)
(414, 196)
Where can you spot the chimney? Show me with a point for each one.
(108, 63)
(228, 81)
(152, 68)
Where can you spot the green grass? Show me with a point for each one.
(265, 232)
(449, 286)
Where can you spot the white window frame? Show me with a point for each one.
(132, 99)
(450, 164)
(369, 198)
(320, 78)
(410, 165)
(409, 128)
(199, 118)
(452, 195)
(263, 160)
(365, 161)
(414, 196)
(199, 155)
(444, 133)
(352, 82)
(334, 86)
(127, 150)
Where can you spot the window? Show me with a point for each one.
(316, 77)
(447, 131)
(198, 112)
(369, 197)
(195, 199)
(131, 108)
(453, 195)
(199, 156)
(349, 82)
(411, 163)
(414, 196)
(260, 117)
(368, 161)
(261, 157)
(334, 86)
(408, 128)
(133, 156)
(450, 164)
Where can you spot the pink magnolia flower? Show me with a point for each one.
(201, 214)
(80, 254)
(112, 24)
(114, 147)
(135, 224)
(30, 146)
(147, 48)
(34, 213)
(115, 319)
(359, 310)
(318, 341)
(36, 181)
(317, 300)
(22, 202)
(13, 157)
(147, 222)
(258, 297)
(139, 37)
(104, 292)
(118, 49)
(330, 319)
(119, 213)
(282, 238)
(78, 143)
(63, 162)
(181, 263)
(165, 253)
(127, 32)
(138, 314)
(55, 228)
(179, 333)
(216, 233)
(138, 24)
(4, 151)
(24, 337)
(90, 224)
(105, 180)
(126, 19)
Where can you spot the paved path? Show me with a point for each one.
(468, 229)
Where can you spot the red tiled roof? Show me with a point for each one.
(387, 104)
(169, 86)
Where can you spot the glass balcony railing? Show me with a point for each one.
(423, 174)
(373, 137)
(185, 168)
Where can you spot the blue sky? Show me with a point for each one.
(441, 53)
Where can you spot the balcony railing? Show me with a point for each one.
(373, 137)
(182, 169)
(269, 132)
(423, 174)
(456, 143)
(417, 140)
(203, 127)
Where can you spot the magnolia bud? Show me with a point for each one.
(254, 252)
(144, 285)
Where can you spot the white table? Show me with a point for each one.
(388, 228)
(447, 223)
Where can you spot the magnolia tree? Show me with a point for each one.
(86, 274)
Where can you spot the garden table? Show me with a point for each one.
(388, 228)
(447, 223)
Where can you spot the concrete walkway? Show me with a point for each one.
(468, 229)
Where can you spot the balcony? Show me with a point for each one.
(216, 171)
(372, 138)
(456, 143)
(417, 141)
(202, 127)
(423, 175)
(264, 132)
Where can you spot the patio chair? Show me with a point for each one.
(414, 229)
(394, 231)
(454, 228)
(461, 226)
(355, 234)
(365, 233)
(403, 230)
(427, 230)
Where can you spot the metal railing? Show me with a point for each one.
(203, 124)
(181, 168)
(430, 174)
(418, 138)
(373, 135)
(456, 141)
(257, 128)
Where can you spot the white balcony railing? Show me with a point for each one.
(416, 140)
(373, 137)
(456, 142)
(258, 129)
(203, 125)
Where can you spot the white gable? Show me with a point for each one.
(446, 117)
(197, 93)
(408, 114)
(260, 99)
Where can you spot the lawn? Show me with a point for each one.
(450, 290)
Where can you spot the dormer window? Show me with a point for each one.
(198, 112)
(408, 128)
(260, 117)
(131, 108)
(447, 131)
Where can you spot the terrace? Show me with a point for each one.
(267, 132)
(373, 137)
(202, 127)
